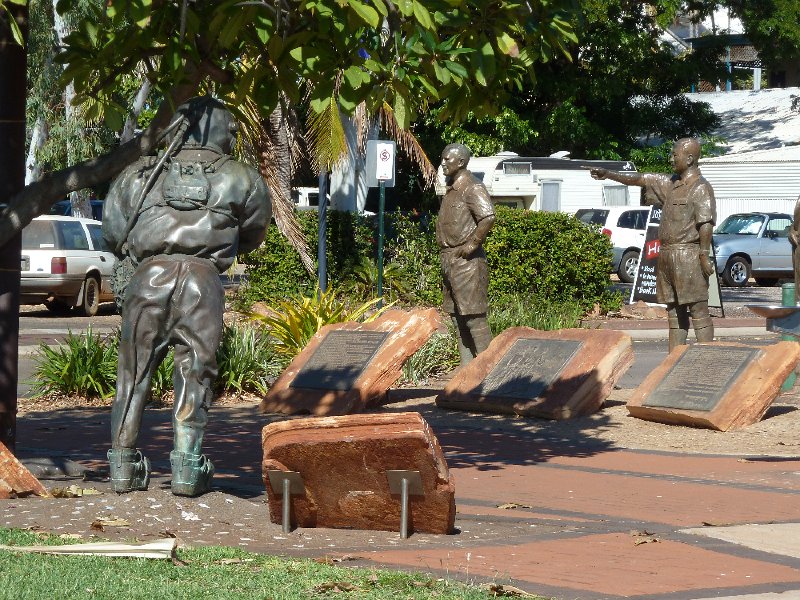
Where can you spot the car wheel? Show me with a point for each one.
(58, 307)
(91, 296)
(737, 271)
(628, 266)
(766, 282)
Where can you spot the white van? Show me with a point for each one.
(553, 183)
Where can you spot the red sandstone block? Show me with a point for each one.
(343, 462)
(518, 373)
(405, 332)
(745, 395)
(15, 479)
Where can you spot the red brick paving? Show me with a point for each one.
(574, 542)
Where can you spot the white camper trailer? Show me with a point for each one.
(758, 181)
(553, 183)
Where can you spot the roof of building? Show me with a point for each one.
(773, 155)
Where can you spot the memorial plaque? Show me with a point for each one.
(528, 368)
(701, 377)
(339, 360)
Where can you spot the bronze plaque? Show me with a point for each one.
(528, 368)
(701, 377)
(339, 360)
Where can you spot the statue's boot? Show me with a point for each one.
(191, 473)
(703, 329)
(677, 335)
(481, 334)
(130, 471)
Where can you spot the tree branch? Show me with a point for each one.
(35, 199)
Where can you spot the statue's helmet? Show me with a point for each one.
(211, 125)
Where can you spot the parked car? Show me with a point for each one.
(754, 244)
(65, 264)
(64, 208)
(626, 226)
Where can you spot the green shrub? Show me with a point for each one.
(549, 256)
(84, 365)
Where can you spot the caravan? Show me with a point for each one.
(554, 183)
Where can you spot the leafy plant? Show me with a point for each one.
(438, 356)
(295, 321)
(362, 281)
(84, 365)
(162, 383)
(247, 360)
(539, 313)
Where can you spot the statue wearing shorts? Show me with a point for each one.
(687, 220)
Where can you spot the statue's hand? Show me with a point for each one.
(598, 173)
(467, 248)
(707, 265)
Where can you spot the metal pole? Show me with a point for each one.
(381, 207)
(287, 505)
(12, 179)
(322, 261)
(404, 509)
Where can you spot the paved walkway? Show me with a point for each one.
(565, 516)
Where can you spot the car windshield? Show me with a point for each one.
(592, 216)
(742, 224)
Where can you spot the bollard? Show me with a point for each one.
(787, 299)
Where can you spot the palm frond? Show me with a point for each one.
(407, 143)
(261, 148)
(326, 138)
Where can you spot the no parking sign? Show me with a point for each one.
(380, 163)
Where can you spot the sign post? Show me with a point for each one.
(380, 173)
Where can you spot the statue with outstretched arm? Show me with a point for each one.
(687, 221)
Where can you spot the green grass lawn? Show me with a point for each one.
(208, 572)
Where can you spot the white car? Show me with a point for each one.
(626, 226)
(65, 264)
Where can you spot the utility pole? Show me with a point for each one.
(13, 86)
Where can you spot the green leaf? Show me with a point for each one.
(406, 7)
(367, 13)
(113, 119)
(354, 76)
(400, 111)
(422, 15)
(380, 6)
(263, 27)
(507, 44)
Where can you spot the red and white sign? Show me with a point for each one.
(384, 165)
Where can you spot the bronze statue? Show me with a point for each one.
(177, 221)
(684, 261)
(465, 218)
(794, 240)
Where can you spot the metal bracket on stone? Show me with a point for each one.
(287, 483)
(780, 319)
(405, 483)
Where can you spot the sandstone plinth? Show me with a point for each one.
(550, 374)
(343, 462)
(15, 479)
(719, 385)
(349, 366)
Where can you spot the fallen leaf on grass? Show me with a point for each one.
(101, 523)
(70, 536)
(512, 505)
(155, 549)
(335, 586)
(507, 591)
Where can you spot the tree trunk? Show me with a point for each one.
(136, 110)
(12, 179)
(33, 170)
